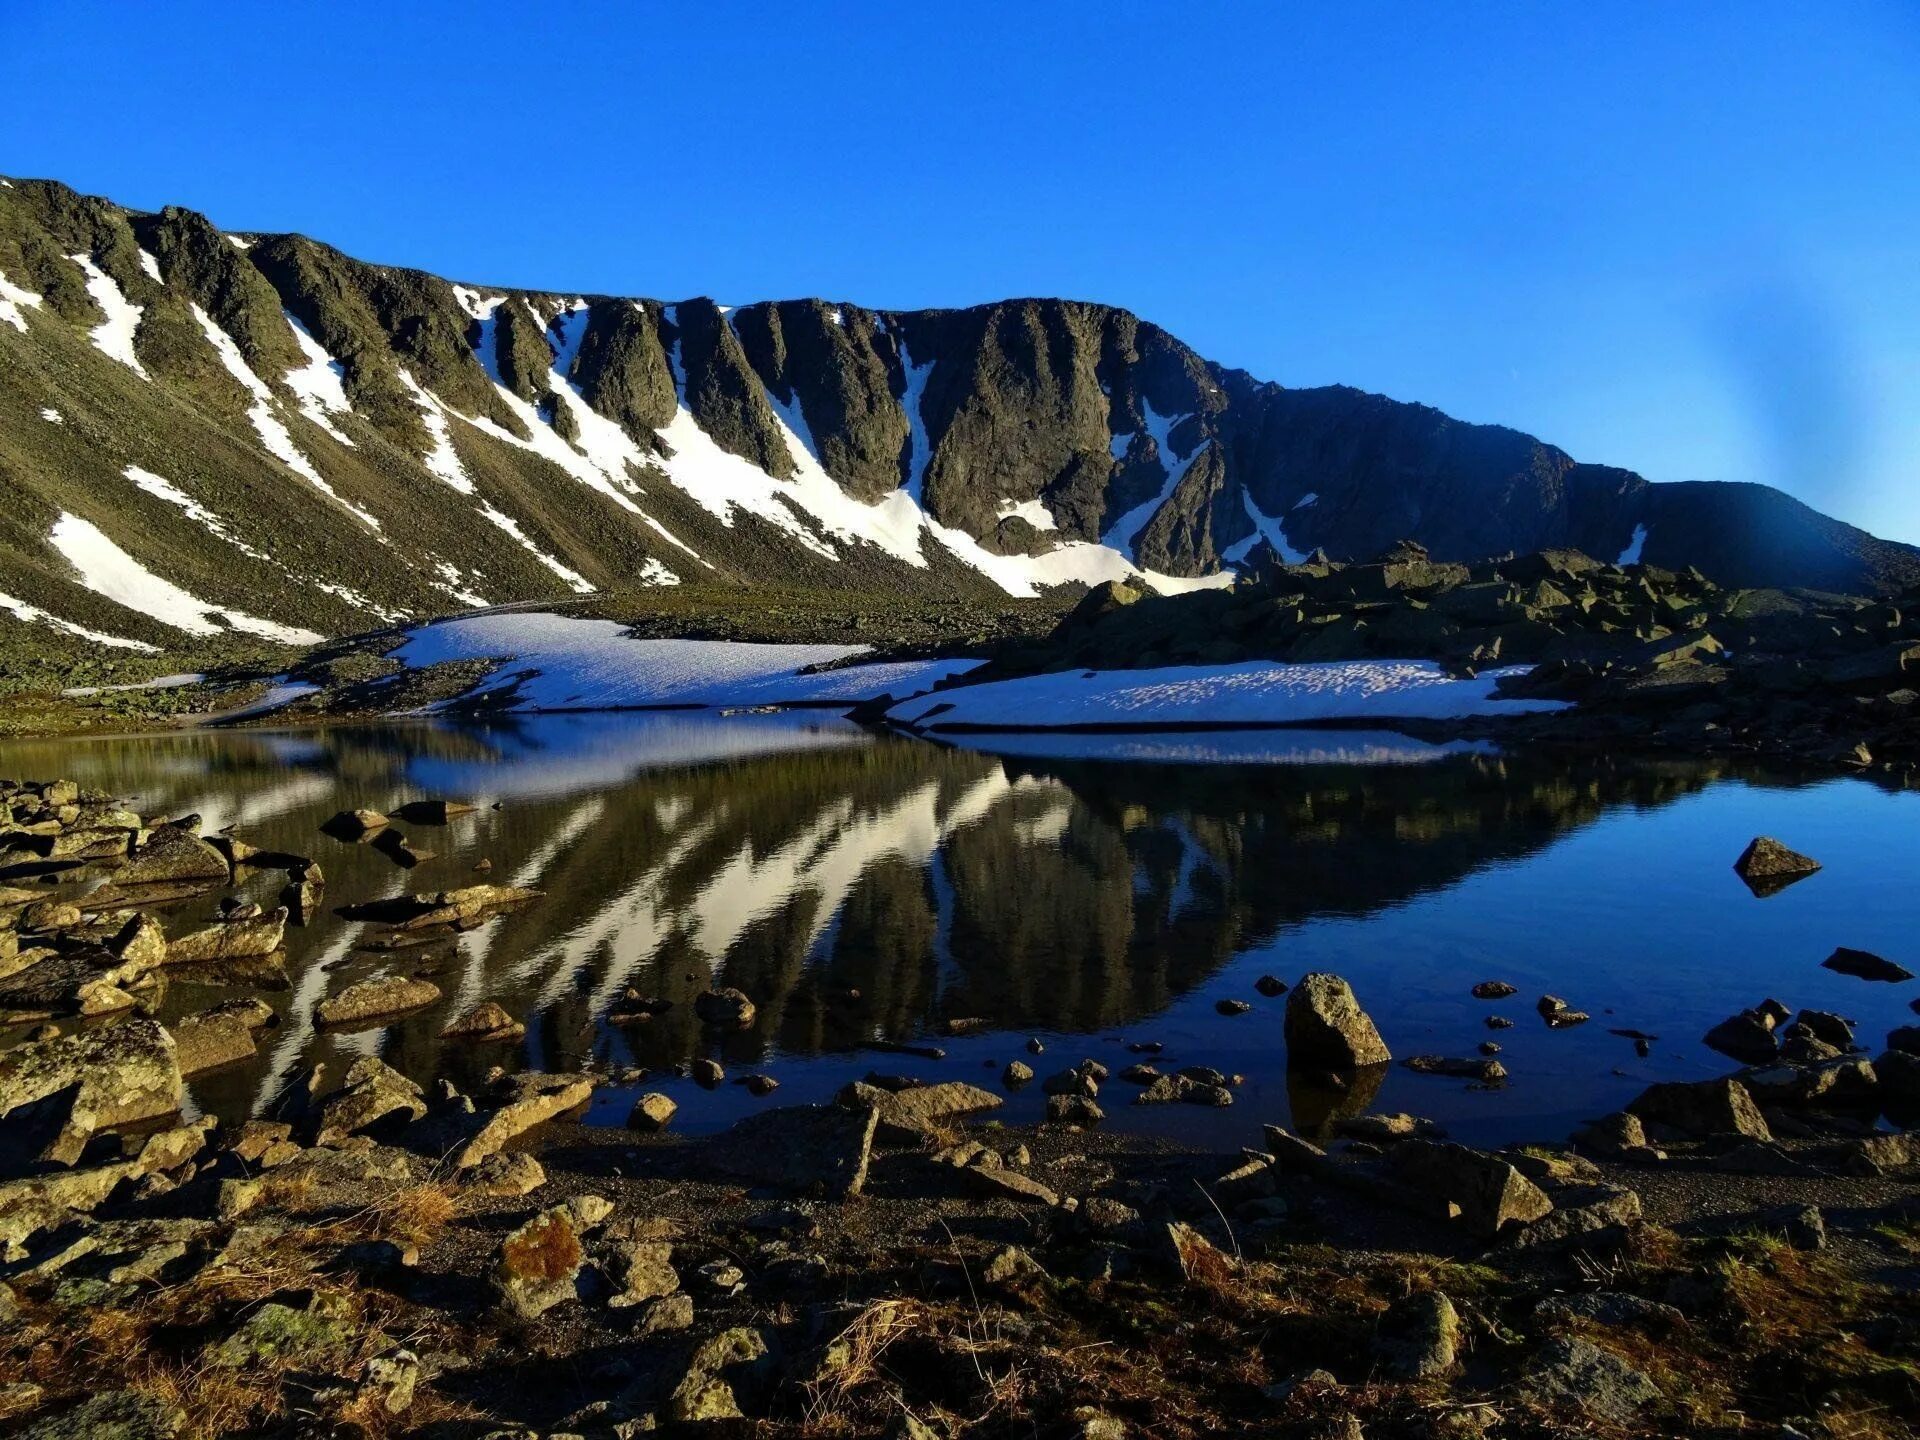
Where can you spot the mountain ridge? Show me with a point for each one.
(258, 432)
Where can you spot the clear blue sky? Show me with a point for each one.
(1682, 238)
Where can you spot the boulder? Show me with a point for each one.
(487, 1021)
(117, 1075)
(531, 1099)
(372, 1091)
(733, 1363)
(231, 940)
(811, 1149)
(906, 1115)
(643, 1269)
(1747, 1037)
(1768, 866)
(1327, 1029)
(538, 1266)
(211, 1040)
(1703, 1107)
(370, 1001)
(116, 1415)
(431, 812)
(171, 856)
(354, 824)
(1480, 1192)
(1418, 1338)
(1572, 1374)
(652, 1113)
(1484, 1072)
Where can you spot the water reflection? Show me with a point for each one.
(857, 887)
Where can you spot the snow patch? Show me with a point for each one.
(1631, 555)
(151, 264)
(159, 682)
(14, 301)
(240, 242)
(654, 573)
(276, 698)
(273, 433)
(1270, 528)
(34, 615)
(1261, 692)
(53, 416)
(1127, 528)
(574, 664)
(106, 569)
(163, 489)
(113, 337)
(1032, 511)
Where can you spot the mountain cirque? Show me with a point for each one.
(213, 437)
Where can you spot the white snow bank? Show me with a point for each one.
(106, 569)
(1263, 692)
(12, 301)
(1631, 555)
(1271, 528)
(318, 385)
(578, 664)
(1034, 512)
(114, 336)
(34, 615)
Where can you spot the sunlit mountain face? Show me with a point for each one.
(865, 889)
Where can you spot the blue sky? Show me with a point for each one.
(1684, 239)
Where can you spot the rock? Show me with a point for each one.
(538, 1265)
(727, 1009)
(811, 1149)
(708, 1074)
(1804, 1226)
(116, 1415)
(707, 1391)
(1612, 1308)
(1768, 866)
(532, 1098)
(372, 1091)
(1831, 1084)
(1270, 986)
(409, 914)
(1899, 1075)
(1184, 1251)
(1383, 1129)
(1485, 1072)
(1619, 1136)
(1864, 965)
(1016, 1074)
(117, 1075)
(397, 848)
(505, 1174)
(906, 1115)
(1232, 1007)
(234, 940)
(999, 1181)
(1012, 1267)
(652, 1113)
(1418, 1337)
(354, 824)
(1326, 1028)
(430, 812)
(370, 1001)
(644, 1271)
(1075, 1110)
(760, 1085)
(1558, 1014)
(1826, 1027)
(487, 1021)
(1494, 990)
(51, 916)
(1747, 1037)
(388, 1381)
(1573, 1374)
(1072, 1082)
(211, 1040)
(171, 856)
(277, 1334)
(1586, 1215)
(1480, 1192)
(669, 1312)
(1703, 1107)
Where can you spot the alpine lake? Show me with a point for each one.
(900, 906)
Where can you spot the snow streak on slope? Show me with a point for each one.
(12, 298)
(1271, 528)
(1127, 528)
(108, 570)
(274, 435)
(162, 489)
(563, 663)
(317, 386)
(1260, 692)
(34, 615)
(444, 462)
(1631, 555)
(114, 336)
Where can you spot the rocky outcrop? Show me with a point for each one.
(1327, 1029)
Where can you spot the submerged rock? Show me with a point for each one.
(724, 1009)
(1865, 965)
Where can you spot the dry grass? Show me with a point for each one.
(853, 1356)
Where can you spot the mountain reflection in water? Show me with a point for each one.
(860, 888)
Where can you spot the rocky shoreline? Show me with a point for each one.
(369, 1256)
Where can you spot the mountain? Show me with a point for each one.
(204, 432)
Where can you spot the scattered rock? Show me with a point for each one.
(372, 1091)
(1270, 986)
(487, 1021)
(1016, 1074)
(1864, 965)
(538, 1265)
(1418, 1337)
(354, 824)
(1484, 1072)
(117, 1075)
(117, 1415)
(812, 1149)
(1703, 1107)
(1574, 1374)
(233, 940)
(1747, 1037)
(173, 855)
(906, 1115)
(1232, 1007)
(1480, 1192)
(505, 1174)
(727, 1009)
(1494, 990)
(1074, 1110)
(652, 1113)
(374, 1000)
(531, 1099)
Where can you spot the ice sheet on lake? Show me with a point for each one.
(1262, 692)
(574, 664)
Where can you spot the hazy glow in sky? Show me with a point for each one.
(1676, 238)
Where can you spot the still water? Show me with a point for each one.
(1090, 892)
